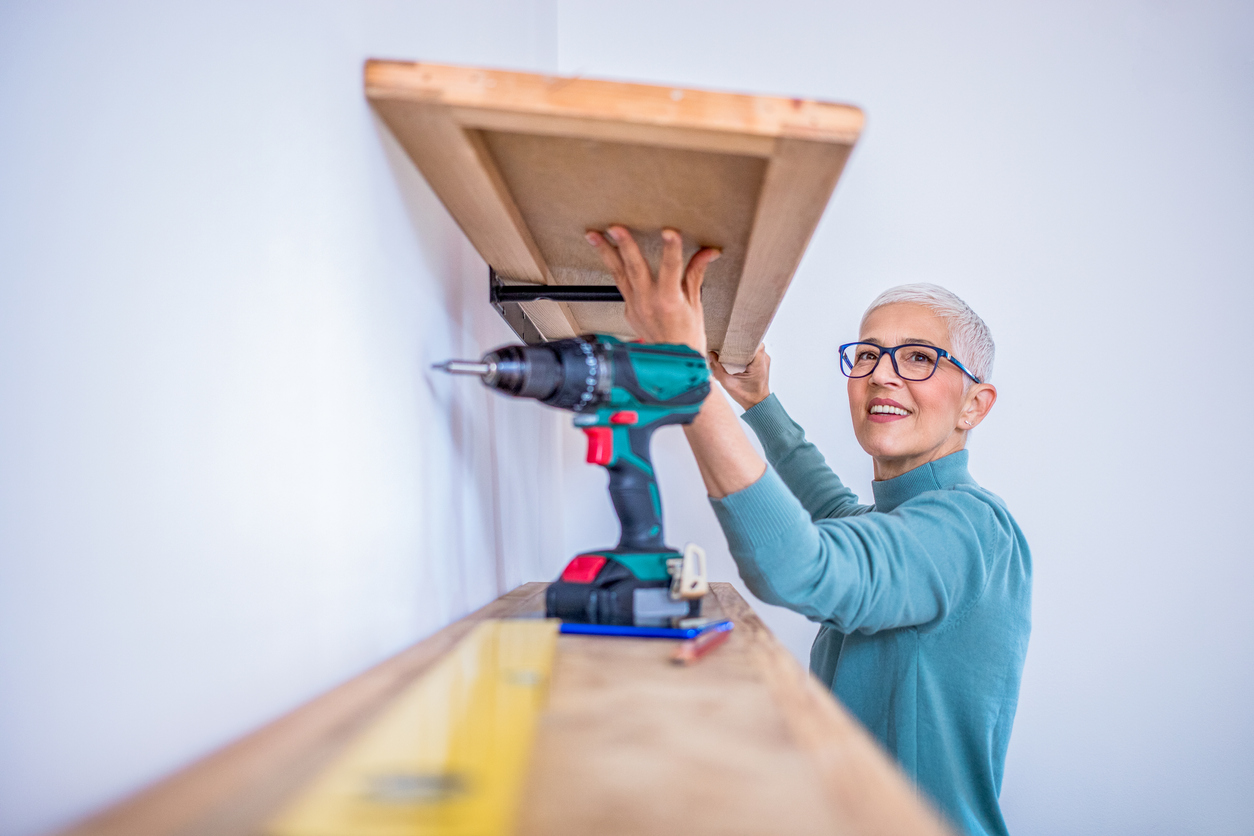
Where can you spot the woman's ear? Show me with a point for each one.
(978, 400)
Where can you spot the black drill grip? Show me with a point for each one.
(636, 500)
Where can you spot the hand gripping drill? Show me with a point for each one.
(620, 394)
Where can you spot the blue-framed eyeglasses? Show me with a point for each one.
(912, 361)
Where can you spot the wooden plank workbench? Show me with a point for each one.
(743, 742)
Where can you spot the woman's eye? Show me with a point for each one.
(866, 355)
(919, 357)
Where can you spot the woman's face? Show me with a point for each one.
(914, 422)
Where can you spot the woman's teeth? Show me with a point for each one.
(883, 409)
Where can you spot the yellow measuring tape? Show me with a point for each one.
(447, 758)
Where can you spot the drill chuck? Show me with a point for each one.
(569, 374)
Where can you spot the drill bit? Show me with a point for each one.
(463, 367)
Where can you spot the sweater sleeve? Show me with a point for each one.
(799, 463)
(926, 560)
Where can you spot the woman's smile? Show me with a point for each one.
(883, 410)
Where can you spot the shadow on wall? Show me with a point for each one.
(499, 451)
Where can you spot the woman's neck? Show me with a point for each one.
(890, 467)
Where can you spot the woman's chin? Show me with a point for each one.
(887, 454)
(881, 442)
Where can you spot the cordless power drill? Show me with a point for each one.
(620, 394)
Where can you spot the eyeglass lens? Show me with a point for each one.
(914, 362)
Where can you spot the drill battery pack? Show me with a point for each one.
(597, 589)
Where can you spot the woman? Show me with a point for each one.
(923, 597)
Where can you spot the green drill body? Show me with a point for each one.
(621, 393)
(667, 377)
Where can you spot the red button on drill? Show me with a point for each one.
(626, 416)
(583, 569)
(600, 444)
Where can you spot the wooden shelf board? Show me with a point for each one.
(746, 741)
(527, 163)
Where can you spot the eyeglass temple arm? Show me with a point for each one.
(965, 371)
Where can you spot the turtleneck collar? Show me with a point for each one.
(943, 473)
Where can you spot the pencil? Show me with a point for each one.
(693, 649)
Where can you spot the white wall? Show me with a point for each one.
(227, 479)
(1082, 174)
(225, 470)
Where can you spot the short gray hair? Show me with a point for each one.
(971, 341)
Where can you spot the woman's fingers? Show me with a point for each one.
(637, 268)
(694, 277)
(716, 368)
(609, 255)
(755, 363)
(667, 309)
(756, 367)
(612, 260)
(748, 387)
(627, 264)
(670, 274)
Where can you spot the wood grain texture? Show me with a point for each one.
(461, 171)
(638, 104)
(527, 163)
(657, 136)
(745, 741)
(235, 790)
(868, 793)
(798, 184)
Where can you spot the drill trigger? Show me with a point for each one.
(600, 445)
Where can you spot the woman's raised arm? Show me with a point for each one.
(666, 308)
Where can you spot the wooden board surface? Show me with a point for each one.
(527, 163)
(743, 742)
(234, 791)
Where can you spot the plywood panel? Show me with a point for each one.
(565, 186)
(527, 163)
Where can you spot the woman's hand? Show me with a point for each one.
(750, 387)
(665, 309)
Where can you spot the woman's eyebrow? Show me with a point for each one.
(908, 341)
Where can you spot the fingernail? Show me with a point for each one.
(615, 233)
(669, 235)
(717, 255)
(591, 238)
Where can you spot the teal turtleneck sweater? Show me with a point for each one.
(924, 600)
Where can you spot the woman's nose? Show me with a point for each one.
(885, 374)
